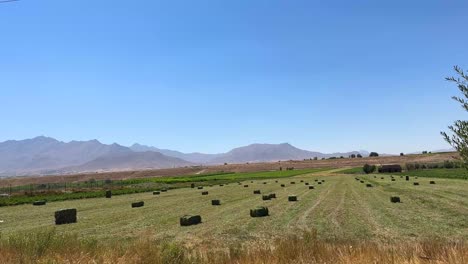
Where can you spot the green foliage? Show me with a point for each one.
(459, 137)
(356, 170)
(373, 154)
(455, 173)
(368, 168)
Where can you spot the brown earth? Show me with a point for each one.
(246, 167)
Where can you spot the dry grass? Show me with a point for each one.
(49, 247)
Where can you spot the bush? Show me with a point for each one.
(373, 154)
(359, 156)
(402, 154)
(368, 168)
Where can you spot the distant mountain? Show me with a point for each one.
(271, 152)
(250, 153)
(44, 155)
(130, 161)
(192, 157)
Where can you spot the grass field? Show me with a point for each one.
(457, 173)
(139, 185)
(340, 209)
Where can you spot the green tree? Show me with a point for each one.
(373, 154)
(459, 130)
(368, 168)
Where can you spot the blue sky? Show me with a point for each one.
(212, 75)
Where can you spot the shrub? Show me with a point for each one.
(359, 156)
(368, 168)
(373, 154)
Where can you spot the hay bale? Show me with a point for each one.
(311, 187)
(302, 180)
(415, 183)
(319, 182)
(293, 182)
(432, 182)
(138, 204)
(362, 181)
(416, 177)
(256, 192)
(192, 185)
(395, 199)
(164, 190)
(108, 194)
(369, 185)
(357, 179)
(393, 179)
(292, 198)
(306, 183)
(266, 197)
(215, 202)
(156, 192)
(39, 203)
(407, 178)
(188, 220)
(204, 193)
(282, 185)
(273, 195)
(382, 178)
(264, 182)
(259, 211)
(276, 181)
(245, 186)
(200, 187)
(323, 180)
(65, 216)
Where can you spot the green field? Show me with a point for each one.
(457, 173)
(96, 189)
(340, 209)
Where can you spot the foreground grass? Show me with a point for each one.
(49, 247)
(149, 184)
(339, 209)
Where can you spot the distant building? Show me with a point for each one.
(393, 168)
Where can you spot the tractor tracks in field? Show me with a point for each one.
(302, 222)
(368, 214)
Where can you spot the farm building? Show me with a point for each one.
(390, 168)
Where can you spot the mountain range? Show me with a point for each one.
(45, 155)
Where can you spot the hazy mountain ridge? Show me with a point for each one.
(45, 155)
(194, 157)
(251, 153)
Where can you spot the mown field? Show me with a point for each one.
(341, 209)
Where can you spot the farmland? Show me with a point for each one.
(339, 209)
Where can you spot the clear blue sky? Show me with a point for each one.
(212, 75)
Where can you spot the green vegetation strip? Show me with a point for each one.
(456, 173)
(131, 186)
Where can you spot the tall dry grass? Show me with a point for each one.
(49, 247)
